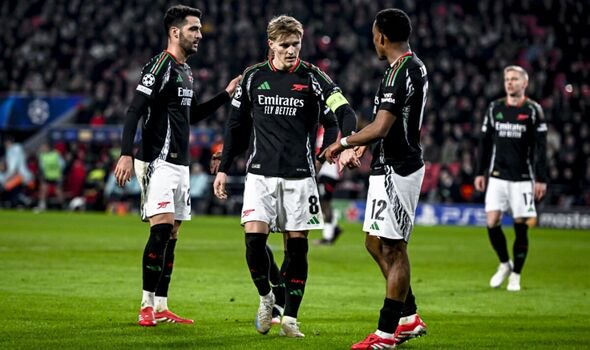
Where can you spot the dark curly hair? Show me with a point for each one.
(176, 16)
(394, 24)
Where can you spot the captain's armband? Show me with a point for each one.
(336, 100)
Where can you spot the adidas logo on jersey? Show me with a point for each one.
(264, 86)
(313, 221)
(499, 116)
(374, 226)
(179, 79)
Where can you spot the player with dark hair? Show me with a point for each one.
(396, 176)
(276, 110)
(512, 145)
(166, 101)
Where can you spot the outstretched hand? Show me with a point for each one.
(233, 84)
(332, 152)
(349, 159)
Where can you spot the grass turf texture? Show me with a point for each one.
(73, 281)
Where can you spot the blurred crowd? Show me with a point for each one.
(98, 49)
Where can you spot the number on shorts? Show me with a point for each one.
(314, 208)
(381, 206)
(528, 198)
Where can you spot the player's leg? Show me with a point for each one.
(410, 324)
(328, 230)
(258, 262)
(391, 205)
(295, 277)
(258, 211)
(300, 211)
(373, 246)
(153, 264)
(163, 313)
(278, 288)
(496, 201)
(523, 208)
(157, 181)
(182, 212)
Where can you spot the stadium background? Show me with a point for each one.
(69, 70)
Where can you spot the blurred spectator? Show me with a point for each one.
(51, 166)
(200, 187)
(17, 176)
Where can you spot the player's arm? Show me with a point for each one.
(337, 103)
(153, 78)
(236, 137)
(540, 155)
(205, 109)
(137, 109)
(328, 121)
(390, 106)
(377, 129)
(344, 113)
(486, 141)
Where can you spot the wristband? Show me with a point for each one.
(344, 143)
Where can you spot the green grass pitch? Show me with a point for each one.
(73, 281)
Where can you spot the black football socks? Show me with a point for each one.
(498, 241)
(389, 315)
(153, 255)
(162, 289)
(258, 261)
(521, 246)
(295, 274)
(276, 280)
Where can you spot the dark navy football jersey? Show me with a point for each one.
(403, 92)
(275, 114)
(513, 141)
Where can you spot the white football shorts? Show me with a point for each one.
(284, 204)
(164, 189)
(514, 196)
(391, 204)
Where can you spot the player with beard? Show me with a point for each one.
(166, 101)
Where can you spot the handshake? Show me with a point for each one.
(347, 158)
(345, 155)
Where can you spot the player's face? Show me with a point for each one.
(514, 83)
(377, 41)
(285, 50)
(190, 35)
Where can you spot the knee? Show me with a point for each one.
(161, 233)
(395, 249)
(297, 246)
(373, 245)
(256, 241)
